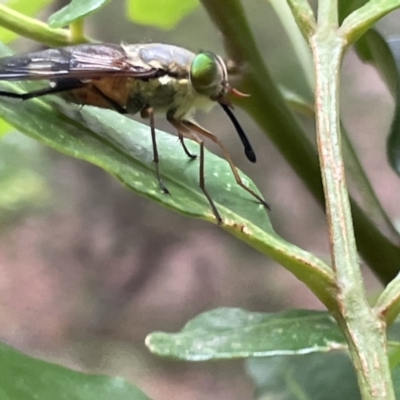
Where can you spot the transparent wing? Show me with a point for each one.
(88, 61)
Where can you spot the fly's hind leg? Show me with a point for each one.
(228, 158)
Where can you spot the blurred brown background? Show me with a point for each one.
(89, 268)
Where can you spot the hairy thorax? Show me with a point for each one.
(164, 94)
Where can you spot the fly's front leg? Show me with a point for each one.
(181, 137)
(182, 140)
(148, 112)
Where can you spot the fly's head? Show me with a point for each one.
(209, 77)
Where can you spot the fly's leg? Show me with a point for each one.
(60, 87)
(182, 140)
(148, 112)
(228, 158)
(185, 132)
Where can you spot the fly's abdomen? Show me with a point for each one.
(110, 92)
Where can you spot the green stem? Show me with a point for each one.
(304, 16)
(76, 29)
(360, 20)
(328, 13)
(32, 28)
(388, 304)
(364, 330)
(357, 178)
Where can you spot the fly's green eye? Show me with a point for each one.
(207, 74)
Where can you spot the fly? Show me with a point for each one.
(138, 78)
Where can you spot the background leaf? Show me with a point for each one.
(164, 14)
(320, 376)
(26, 378)
(348, 6)
(75, 10)
(235, 333)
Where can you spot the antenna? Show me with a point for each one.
(248, 150)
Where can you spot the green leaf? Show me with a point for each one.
(365, 17)
(123, 147)
(26, 7)
(27, 378)
(164, 14)
(75, 10)
(235, 333)
(319, 376)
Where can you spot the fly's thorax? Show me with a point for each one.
(166, 94)
(164, 57)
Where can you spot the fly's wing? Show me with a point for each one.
(88, 61)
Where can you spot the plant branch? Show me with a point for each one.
(357, 177)
(328, 13)
(388, 304)
(310, 270)
(271, 112)
(77, 31)
(32, 28)
(360, 20)
(303, 15)
(363, 328)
